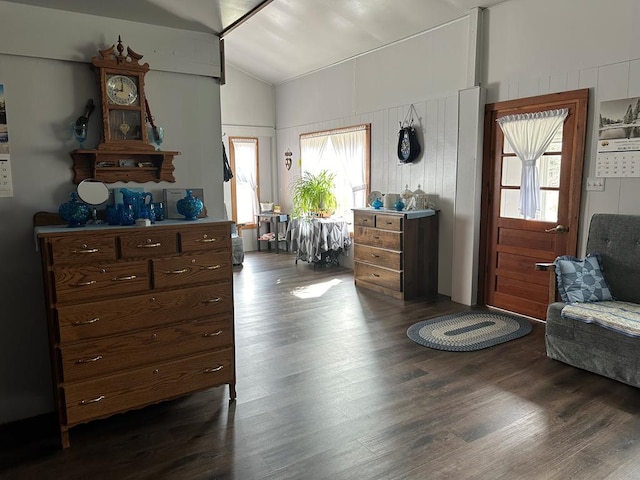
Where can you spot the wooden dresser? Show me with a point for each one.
(137, 315)
(396, 253)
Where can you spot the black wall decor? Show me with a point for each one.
(408, 145)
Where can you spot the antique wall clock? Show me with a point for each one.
(125, 153)
(121, 80)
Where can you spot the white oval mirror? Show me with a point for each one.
(93, 191)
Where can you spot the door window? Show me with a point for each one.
(548, 173)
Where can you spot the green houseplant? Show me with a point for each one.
(313, 194)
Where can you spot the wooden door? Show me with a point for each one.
(511, 244)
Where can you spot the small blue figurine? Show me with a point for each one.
(377, 204)
(399, 205)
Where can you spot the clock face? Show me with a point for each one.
(122, 90)
(405, 145)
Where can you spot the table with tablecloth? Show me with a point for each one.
(318, 240)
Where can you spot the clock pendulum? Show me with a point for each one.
(124, 127)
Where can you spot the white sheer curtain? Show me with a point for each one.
(343, 152)
(349, 150)
(530, 135)
(311, 151)
(246, 177)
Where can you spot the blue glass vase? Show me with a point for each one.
(74, 212)
(189, 206)
(399, 205)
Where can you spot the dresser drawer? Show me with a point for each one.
(83, 249)
(87, 282)
(210, 237)
(191, 269)
(389, 222)
(120, 352)
(97, 319)
(376, 256)
(364, 219)
(378, 238)
(116, 393)
(150, 243)
(380, 276)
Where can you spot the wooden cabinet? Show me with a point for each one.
(136, 315)
(396, 253)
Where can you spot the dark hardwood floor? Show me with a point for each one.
(330, 387)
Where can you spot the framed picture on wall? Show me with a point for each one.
(170, 197)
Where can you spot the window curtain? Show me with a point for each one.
(349, 149)
(311, 151)
(529, 135)
(246, 177)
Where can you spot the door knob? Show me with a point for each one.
(558, 229)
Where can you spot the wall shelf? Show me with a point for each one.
(111, 166)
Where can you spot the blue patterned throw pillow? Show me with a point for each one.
(581, 280)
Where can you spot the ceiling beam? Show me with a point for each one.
(245, 17)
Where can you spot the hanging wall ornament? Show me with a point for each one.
(408, 145)
(287, 159)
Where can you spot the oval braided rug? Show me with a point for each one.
(467, 331)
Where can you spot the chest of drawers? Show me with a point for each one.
(137, 315)
(396, 253)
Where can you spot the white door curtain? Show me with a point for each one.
(530, 134)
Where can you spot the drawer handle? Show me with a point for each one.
(213, 370)
(209, 267)
(176, 272)
(376, 238)
(207, 240)
(150, 245)
(375, 256)
(124, 278)
(389, 223)
(85, 250)
(212, 300)
(89, 360)
(83, 284)
(375, 275)
(93, 400)
(365, 221)
(85, 322)
(215, 334)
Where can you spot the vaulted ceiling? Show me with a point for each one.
(285, 38)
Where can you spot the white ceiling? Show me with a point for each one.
(286, 38)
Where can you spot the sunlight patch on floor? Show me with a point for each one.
(316, 290)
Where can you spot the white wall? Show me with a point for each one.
(47, 82)
(378, 88)
(583, 44)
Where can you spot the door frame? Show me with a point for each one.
(580, 99)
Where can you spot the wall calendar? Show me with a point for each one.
(619, 139)
(6, 183)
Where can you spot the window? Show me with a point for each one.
(549, 175)
(244, 184)
(346, 153)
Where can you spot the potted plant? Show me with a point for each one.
(313, 194)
